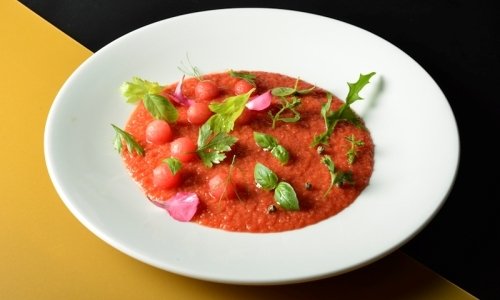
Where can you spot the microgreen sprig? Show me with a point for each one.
(286, 105)
(352, 153)
(337, 177)
(190, 70)
(121, 136)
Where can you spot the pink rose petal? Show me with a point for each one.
(182, 206)
(260, 102)
(178, 97)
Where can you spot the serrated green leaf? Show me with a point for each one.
(344, 113)
(160, 108)
(137, 88)
(173, 164)
(121, 136)
(211, 147)
(356, 87)
(337, 177)
(227, 112)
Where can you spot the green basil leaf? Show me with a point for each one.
(264, 177)
(281, 154)
(265, 141)
(285, 196)
(160, 108)
(173, 164)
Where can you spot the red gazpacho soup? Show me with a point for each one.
(246, 151)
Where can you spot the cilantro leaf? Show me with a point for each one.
(121, 136)
(137, 88)
(227, 112)
(160, 108)
(344, 113)
(211, 146)
(173, 164)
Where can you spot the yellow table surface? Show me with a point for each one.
(47, 254)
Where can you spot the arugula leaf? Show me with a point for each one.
(211, 146)
(173, 164)
(285, 196)
(160, 108)
(250, 78)
(227, 112)
(337, 177)
(137, 88)
(344, 113)
(264, 177)
(121, 137)
(352, 153)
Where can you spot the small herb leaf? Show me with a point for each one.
(265, 141)
(173, 164)
(352, 153)
(160, 108)
(212, 146)
(245, 76)
(121, 137)
(356, 87)
(337, 177)
(227, 112)
(286, 105)
(343, 113)
(281, 154)
(264, 177)
(285, 196)
(137, 88)
(283, 91)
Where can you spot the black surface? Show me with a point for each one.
(455, 41)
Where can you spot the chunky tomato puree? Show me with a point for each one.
(250, 210)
